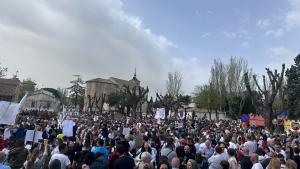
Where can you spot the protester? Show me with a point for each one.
(17, 156)
(215, 160)
(175, 163)
(290, 164)
(64, 160)
(168, 150)
(2, 158)
(274, 164)
(97, 141)
(124, 161)
(254, 160)
(231, 159)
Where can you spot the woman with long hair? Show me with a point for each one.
(290, 164)
(274, 163)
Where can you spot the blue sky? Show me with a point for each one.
(49, 41)
(209, 29)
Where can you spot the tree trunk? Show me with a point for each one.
(167, 112)
(242, 103)
(268, 116)
(217, 115)
(209, 115)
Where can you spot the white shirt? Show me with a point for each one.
(257, 166)
(251, 146)
(64, 160)
(197, 146)
(55, 151)
(6, 134)
(232, 145)
(68, 127)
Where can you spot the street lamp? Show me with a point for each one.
(185, 106)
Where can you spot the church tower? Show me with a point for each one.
(134, 80)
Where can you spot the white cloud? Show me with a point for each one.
(279, 55)
(193, 73)
(210, 12)
(292, 17)
(290, 20)
(205, 35)
(263, 23)
(229, 34)
(50, 41)
(275, 33)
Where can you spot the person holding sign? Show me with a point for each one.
(67, 126)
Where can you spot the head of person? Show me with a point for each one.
(231, 152)
(249, 137)
(296, 151)
(55, 164)
(146, 146)
(290, 164)
(191, 164)
(170, 143)
(223, 146)
(99, 156)
(163, 165)
(63, 148)
(218, 150)
(245, 150)
(100, 142)
(277, 147)
(274, 163)
(260, 151)
(175, 162)
(254, 158)
(121, 150)
(146, 157)
(207, 143)
(186, 149)
(224, 164)
(19, 143)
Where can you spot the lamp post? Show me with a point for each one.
(185, 116)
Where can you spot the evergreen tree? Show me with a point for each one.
(77, 91)
(293, 88)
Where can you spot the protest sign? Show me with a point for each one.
(160, 113)
(38, 135)
(126, 131)
(9, 111)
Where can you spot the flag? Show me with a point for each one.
(283, 116)
(9, 111)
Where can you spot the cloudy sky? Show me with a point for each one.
(49, 41)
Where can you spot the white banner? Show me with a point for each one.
(37, 136)
(9, 111)
(160, 113)
(181, 115)
(126, 131)
(67, 127)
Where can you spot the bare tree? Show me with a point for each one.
(235, 85)
(218, 81)
(100, 100)
(90, 102)
(264, 97)
(174, 84)
(3, 71)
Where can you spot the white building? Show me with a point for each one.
(46, 99)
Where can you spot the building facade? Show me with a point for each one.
(42, 100)
(9, 89)
(99, 87)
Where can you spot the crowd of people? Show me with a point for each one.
(99, 141)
